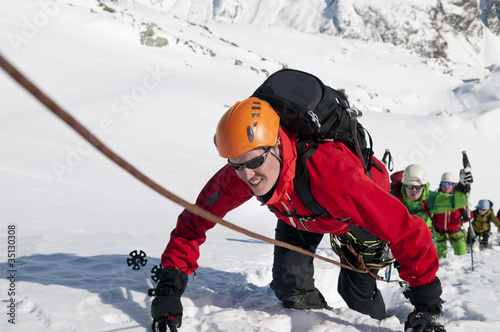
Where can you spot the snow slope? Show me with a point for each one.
(76, 216)
(462, 31)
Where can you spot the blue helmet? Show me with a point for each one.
(483, 204)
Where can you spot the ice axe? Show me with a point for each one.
(471, 235)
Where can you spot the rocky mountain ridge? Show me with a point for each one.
(464, 31)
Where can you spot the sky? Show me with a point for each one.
(75, 216)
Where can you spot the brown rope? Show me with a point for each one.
(87, 135)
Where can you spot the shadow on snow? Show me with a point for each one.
(113, 281)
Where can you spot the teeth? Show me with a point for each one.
(255, 182)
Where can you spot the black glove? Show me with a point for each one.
(166, 308)
(465, 188)
(428, 313)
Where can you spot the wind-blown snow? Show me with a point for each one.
(77, 216)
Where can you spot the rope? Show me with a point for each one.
(359, 261)
(87, 135)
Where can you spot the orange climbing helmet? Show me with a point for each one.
(247, 125)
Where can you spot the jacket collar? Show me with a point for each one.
(482, 217)
(289, 157)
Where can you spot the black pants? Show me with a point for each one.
(293, 281)
(483, 239)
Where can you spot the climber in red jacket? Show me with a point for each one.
(261, 163)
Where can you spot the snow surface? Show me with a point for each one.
(77, 215)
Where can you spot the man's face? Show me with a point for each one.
(414, 192)
(482, 212)
(447, 187)
(261, 179)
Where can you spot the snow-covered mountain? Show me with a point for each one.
(456, 30)
(151, 79)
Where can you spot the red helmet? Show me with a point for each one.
(247, 125)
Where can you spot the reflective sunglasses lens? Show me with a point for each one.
(257, 162)
(252, 164)
(236, 167)
(447, 183)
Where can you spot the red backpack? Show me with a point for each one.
(396, 179)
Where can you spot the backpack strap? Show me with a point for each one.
(354, 114)
(397, 189)
(425, 207)
(377, 166)
(371, 162)
(305, 149)
(306, 146)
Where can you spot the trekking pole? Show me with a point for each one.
(470, 235)
(387, 160)
(138, 260)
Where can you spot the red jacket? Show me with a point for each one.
(450, 221)
(339, 184)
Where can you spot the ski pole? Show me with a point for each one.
(387, 160)
(472, 235)
(138, 260)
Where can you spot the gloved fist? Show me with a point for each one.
(421, 320)
(428, 313)
(465, 180)
(466, 176)
(465, 188)
(166, 308)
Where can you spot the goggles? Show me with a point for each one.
(410, 186)
(252, 164)
(447, 183)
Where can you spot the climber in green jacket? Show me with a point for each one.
(423, 202)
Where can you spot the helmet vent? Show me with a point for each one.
(250, 134)
(256, 103)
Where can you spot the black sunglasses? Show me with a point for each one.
(252, 164)
(410, 186)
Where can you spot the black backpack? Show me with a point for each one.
(315, 112)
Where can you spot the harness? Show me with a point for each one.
(359, 248)
(447, 235)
